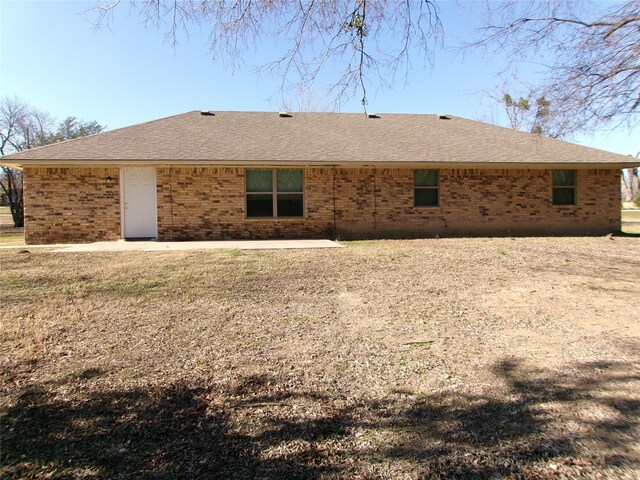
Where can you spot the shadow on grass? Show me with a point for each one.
(256, 428)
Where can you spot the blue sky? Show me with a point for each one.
(51, 56)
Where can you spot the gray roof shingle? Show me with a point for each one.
(317, 138)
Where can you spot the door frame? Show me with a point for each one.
(123, 232)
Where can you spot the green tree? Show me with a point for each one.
(72, 127)
(532, 115)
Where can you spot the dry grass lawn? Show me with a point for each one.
(5, 216)
(631, 221)
(11, 236)
(467, 358)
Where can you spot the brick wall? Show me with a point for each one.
(493, 202)
(209, 203)
(71, 204)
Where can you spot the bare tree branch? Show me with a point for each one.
(372, 40)
(595, 76)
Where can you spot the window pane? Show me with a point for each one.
(290, 205)
(260, 205)
(564, 196)
(426, 197)
(564, 178)
(426, 178)
(259, 181)
(289, 180)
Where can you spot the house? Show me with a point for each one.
(241, 175)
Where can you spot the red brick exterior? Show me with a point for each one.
(65, 205)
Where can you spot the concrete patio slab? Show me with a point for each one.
(23, 246)
(155, 246)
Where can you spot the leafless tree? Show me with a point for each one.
(371, 41)
(631, 184)
(22, 127)
(594, 73)
(306, 99)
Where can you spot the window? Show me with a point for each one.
(564, 187)
(274, 193)
(426, 184)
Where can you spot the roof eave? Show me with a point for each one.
(17, 166)
(329, 163)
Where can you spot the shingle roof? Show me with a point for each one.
(317, 138)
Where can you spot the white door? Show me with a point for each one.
(139, 203)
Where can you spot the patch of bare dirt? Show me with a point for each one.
(467, 358)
